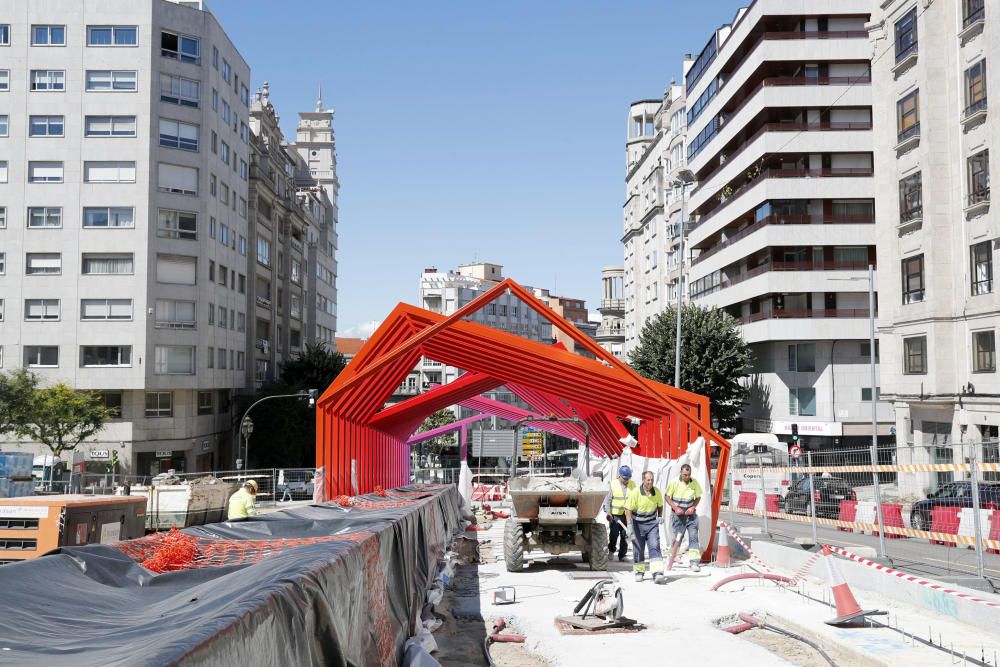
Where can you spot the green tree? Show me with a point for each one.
(315, 367)
(715, 359)
(61, 417)
(436, 446)
(16, 389)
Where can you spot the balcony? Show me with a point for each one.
(263, 301)
(975, 113)
(906, 58)
(263, 344)
(406, 390)
(979, 201)
(174, 324)
(973, 22)
(612, 304)
(782, 220)
(769, 267)
(805, 314)
(908, 138)
(910, 218)
(610, 332)
(296, 244)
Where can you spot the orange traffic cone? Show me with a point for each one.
(722, 558)
(848, 610)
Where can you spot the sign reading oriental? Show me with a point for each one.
(835, 429)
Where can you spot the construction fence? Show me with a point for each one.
(947, 494)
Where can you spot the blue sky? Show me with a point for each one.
(489, 131)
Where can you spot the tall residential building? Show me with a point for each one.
(654, 158)
(115, 119)
(937, 233)
(779, 139)
(610, 333)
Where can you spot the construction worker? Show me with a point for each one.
(644, 514)
(241, 505)
(683, 495)
(614, 507)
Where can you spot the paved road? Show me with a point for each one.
(917, 556)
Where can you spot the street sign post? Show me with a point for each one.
(795, 451)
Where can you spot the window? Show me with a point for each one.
(240, 361)
(177, 179)
(224, 234)
(3, 217)
(48, 35)
(910, 198)
(975, 88)
(181, 91)
(915, 355)
(865, 350)
(106, 309)
(4, 79)
(913, 279)
(173, 360)
(243, 245)
(206, 405)
(244, 133)
(974, 11)
(45, 80)
(223, 278)
(105, 355)
(45, 172)
(41, 309)
(4, 125)
(211, 313)
(3, 263)
(982, 268)
(226, 112)
(984, 350)
(173, 314)
(109, 126)
(802, 401)
(224, 194)
(41, 356)
(99, 80)
(112, 400)
(908, 116)
(175, 134)
(109, 172)
(211, 271)
(3, 171)
(211, 357)
(802, 357)
(215, 57)
(245, 98)
(43, 263)
(173, 224)
(224, 153)
(112, 35)
(226, 70)
(241, 322)
(221, 356)
(215, 100)
(176, 269)
(45, 126)
(866, 394)
(44, 216)
(979, 178)
(108, 217)
(264, 252)
(159, 404)
(5, 34)
(223, 317)
(243, 170)
(296, 271)
(180, 47)
(906, 35)
(107, 264)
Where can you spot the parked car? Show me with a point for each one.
(827, 491)
(299, 483)
(954, 494)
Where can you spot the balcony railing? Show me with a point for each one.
(980, 196)
(973, 16)
(908, 133)
(174, 324)
(780, 266)
(980, 287)
(263, 301)
(783, 220)
(906, 52)
(974, 108)
(610, 332)
(612, 304)
(915, 213)
(851, 172)
(806, 314)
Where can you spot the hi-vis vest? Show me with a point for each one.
(618, 494)
(644, 507)
(683, 494)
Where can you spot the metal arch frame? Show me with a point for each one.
(353, 429)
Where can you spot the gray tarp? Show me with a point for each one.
(351, 602)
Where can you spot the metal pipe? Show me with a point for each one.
(812, 497)
(874, 452)
(976, 517)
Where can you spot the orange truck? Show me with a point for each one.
(33, 525)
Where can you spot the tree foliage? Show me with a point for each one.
(714, 358)
(436, 446)
(315, 367)
(16, 389)
(62, 417)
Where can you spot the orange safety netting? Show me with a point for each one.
(168, 552)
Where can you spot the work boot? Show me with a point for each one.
(638, 576)
(621, 557)
(695, 567)
(658, 578)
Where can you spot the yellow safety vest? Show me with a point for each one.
(241, 505)
(644, 507)
(683, 494)
(618, 495)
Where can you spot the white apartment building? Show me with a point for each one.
(610, 332)
(937, 232)
(779, 140)
(654, 156)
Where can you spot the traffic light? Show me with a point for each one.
(114, 458)
(795, 433)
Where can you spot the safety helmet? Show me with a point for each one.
(252, 484)
(625, 472)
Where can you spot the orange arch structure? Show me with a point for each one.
(362, 444)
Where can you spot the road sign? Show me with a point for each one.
(794, 451)
(498, 442)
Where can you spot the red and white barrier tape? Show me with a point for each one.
(801, 572)
(746, 547)
(902, 467)
(941, 588)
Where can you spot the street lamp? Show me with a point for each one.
(246, 424)
(684, 178)
(871, 357)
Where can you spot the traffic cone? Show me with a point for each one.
(848, 611)
(722, 558)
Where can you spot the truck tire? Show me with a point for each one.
(513, 545)
(599, 547)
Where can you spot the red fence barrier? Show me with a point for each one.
(848, 510)
(944, 520)
(892, 517)
(747, 501)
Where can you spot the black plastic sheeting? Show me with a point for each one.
(351, 602)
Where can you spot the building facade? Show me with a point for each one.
(778, 139)
(937, 233)
(610, 332)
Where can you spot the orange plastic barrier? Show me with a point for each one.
(995, 529)
(944, 520)
(747, 501)
(848, 510)
(892, 516)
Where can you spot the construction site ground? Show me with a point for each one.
(681, 617)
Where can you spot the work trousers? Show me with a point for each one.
(681, 523)
(647, 533)
(616, 532)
